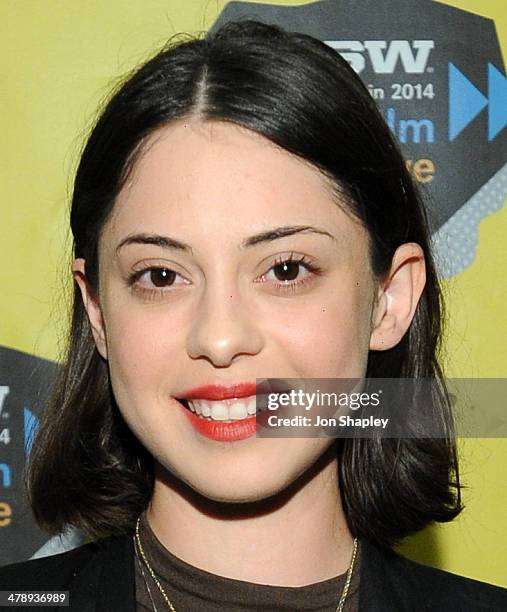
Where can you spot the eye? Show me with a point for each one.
(287, 270)
(160, 277)
(289, 274)
(155, 280)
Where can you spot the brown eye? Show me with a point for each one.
(161, 277)
(156, 282)
(287, 270)
(291, 275)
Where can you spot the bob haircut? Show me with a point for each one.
(86, 468)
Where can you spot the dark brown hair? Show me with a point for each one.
(86, 468)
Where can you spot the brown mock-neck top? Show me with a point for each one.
(191, 589)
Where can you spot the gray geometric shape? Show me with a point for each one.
(455, 243)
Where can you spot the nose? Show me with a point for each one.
(223, 328)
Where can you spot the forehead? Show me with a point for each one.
(195, 175)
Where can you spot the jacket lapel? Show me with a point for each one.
(107, 581)
(386, 584)
(116, 584)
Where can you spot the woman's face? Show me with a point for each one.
(192, 293)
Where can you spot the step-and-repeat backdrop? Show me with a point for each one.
(436, 70)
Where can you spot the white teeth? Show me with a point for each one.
(226, 410)
(219, 411)
(238, 411)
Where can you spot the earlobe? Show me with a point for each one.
(92, 306)
(398, 296)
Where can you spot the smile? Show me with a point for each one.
(227, 410)
(227, 421)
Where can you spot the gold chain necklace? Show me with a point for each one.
(139, 546)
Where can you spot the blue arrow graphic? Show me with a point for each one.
(31, 423)
(465, 101)
(497, 94)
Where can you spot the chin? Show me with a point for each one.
(240, 491)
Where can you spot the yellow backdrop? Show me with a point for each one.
(59, 59)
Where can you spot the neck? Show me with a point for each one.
(294, 538)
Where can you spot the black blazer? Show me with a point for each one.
(100, 578)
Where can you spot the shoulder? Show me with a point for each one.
(412, 584)
(99, 576)
(445, 586)
(56, 571)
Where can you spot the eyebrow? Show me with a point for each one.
(268, 236)
(155, 239)
(281, 232)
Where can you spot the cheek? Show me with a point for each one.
(326, 337)
(142, 345)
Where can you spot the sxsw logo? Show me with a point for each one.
(466, 101)
(385, 56)
(425, 64)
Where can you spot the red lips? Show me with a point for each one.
(220, 392)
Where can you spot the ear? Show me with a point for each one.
(398, 296)
(92, 306)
